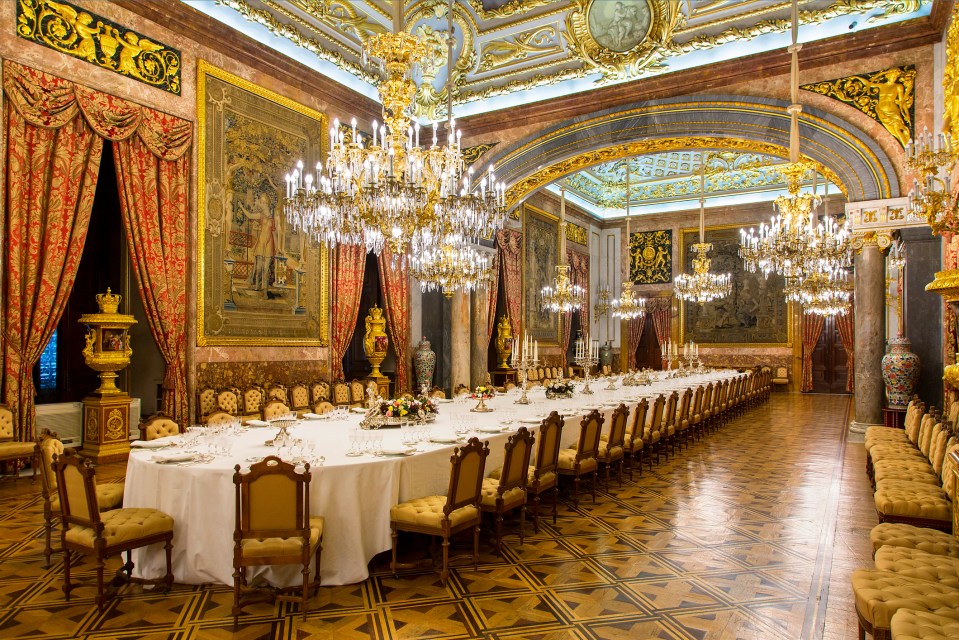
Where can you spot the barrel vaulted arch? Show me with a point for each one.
(843, 153)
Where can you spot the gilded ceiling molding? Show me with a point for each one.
(518, 191)
(950, 80)
(886, 96)
(339, 15)
(474, 153)
(429, 102)
(508, 9)
(536, 43)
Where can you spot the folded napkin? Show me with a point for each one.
(181, 456)
(314, 416)
(257, 423)
(156, 444)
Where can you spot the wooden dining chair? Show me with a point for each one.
(205, 403)
(581, 460)
(85, 530)
(253, 402)
(611, 450)
(276, 391)
(682, 419)
(48, 447)
(274, 527)
(323, 407)
(633, 443)
(341, 394)
(300, 398)
(652, 437)
(320, 391)
(507, 491)
(159, 425)
(444, 516)
(220, 417)
(228, 400)
(11, 450)
(275, 409)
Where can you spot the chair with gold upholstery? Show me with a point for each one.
(682, 421)
(652, 436)
(879, 595)
(275, 409)
(341, 394)
(357, 393)
(532, 375)
(695, 413)
(159, 425)
(300, 398)
(274, 527)
(253, 400)
(320, 391)
(205, 403)
(276, 391)
(228, 400)
(582, 460)
(12, 450)
(507, 491)
(444, 516)
(220, 417)
(633, 443)
(909, 624)
(323, 407)
(438, 393)
(667, 427)
(48, 446)
(87, 531)
(612, 446)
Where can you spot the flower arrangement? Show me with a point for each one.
(483, 392)
(559, 389)
(408, 407)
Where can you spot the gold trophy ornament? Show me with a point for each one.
(376, 344)
(106, 412)
(504, 341)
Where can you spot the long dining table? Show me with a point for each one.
(353, 493)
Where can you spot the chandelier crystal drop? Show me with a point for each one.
(701, 286)
(387, 190)
(825, 293)
(628, 305)
(451, 267)
(562, 296)
(794, 244)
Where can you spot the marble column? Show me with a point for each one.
(479, 345)
(870, 335)
(460, 340)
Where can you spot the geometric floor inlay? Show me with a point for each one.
(724, 540)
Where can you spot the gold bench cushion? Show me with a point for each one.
(567, 462)
(428, 512)
(14, 449)
(511, 498)
(616, 453)
(889, 450)
(879, 594)
(122, 525)
(927, 502)
(913, 563)
(109, 496)
(908, 624)
(267, 547)
(916, 474)
(897, 534)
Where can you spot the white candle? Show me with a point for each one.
(536, 350)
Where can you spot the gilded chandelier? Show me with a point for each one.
(825, 293)
(702, 286)
(628, 305)
(794, 244)
(451, 267)
(562, 296)
(932, 196)
(388, 190)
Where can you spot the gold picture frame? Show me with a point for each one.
(754, 301)
(259, 282)
(541, 244)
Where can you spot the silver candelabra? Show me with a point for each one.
(587, 363)
(522, 366)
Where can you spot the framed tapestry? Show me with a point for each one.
(260, 282)
(651, 257)
(755, 313)
(540, 256)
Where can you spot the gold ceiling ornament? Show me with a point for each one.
(474, 153)
(886, 96)
(562, 296)
(701, 286)
(388, 191)
(628, 305)
(507, 9)
(795, 245)
(430, 103)
(621, 39)
(932, 159)
(536, 43)
(340, 15)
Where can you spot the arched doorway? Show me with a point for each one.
(830, 364)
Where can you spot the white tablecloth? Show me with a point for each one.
(353, 494)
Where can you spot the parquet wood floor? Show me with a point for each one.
(751, 533)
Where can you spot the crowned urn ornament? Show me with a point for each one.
(424, 362)
(900, 372)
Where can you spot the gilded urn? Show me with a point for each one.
(107, 348)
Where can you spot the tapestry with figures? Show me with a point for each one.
(651, 257)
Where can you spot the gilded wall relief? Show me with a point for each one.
(755, 313)
(886, 96)
(474, 153)
(70, 29)
(576, 233)
(260, 282)
(540, 256)
(220, 375)
(950, 77)
(651, 257)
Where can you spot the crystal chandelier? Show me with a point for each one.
(562, 296)
(628, 305)
(932, 197)
(602, 305)
(451, 267)
(823, 293)
(794, 245)
(388, 190)
(702, 286)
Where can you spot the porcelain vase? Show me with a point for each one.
(900, 372)
(424, 362)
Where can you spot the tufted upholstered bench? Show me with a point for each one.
(879, 594)
(908, 624)
(898, 534)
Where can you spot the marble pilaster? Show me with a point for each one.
(479, 344)
(459, 340)
(870, 335)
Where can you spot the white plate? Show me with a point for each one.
(496, 429)
(257, 423)
(315, 416)
(398, 451)
(159, 443)
(166, 458)
(530, 420)
(444, 439)
(443, 400)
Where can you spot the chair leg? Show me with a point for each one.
(168, 548)
(305, 605)
(48, 535)
(522, 524)
(576, 492)
(499, 533)
(67, 587)
(239, 578)
(592, 485)
(536, 512)
(395, 535)
(316, 566)
(100, 598)
(555, 500)
(476, 536)
(619, 471)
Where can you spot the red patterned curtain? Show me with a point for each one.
(812, 325)
(348, 265)
(492, 289)
(53, 161)
(578, 275)
(636, 327)
(846, 324)
(510, 244)
(661, 310)
(395, 284)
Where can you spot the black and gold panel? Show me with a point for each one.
(886, 96)
(756, 312)
(651, 257)
(76, 32)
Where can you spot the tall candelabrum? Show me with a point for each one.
(587, 361)
(523, 364)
